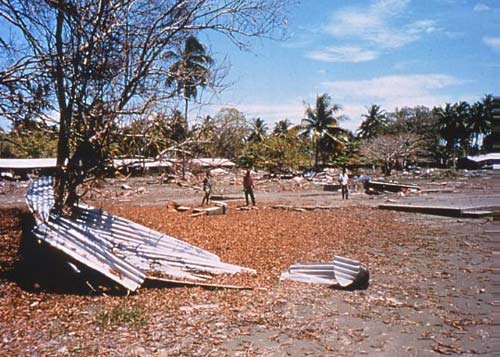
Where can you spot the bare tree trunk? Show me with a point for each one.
(64, 122)
(62, 156)
(184, 160)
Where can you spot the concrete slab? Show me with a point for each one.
(436, 210)
(439, 210)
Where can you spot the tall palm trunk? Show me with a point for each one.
(316, 153)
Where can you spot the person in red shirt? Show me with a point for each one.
(248, 186)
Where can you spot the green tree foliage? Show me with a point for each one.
(190, 71)
(278, 153)
(452, 125)
(374, 123)
(282, 127)
(258, 130)
(204, 134)
(148, 136)
(464, 127)
(350, 153)
(321, 124)
(29, 139)
(480, 121)
(406, 135)
(230, 133)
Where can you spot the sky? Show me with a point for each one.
(392, 53)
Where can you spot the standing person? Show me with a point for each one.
(344, 181)
(248, 186)
(207, 188)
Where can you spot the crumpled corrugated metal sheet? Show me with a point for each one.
(118, 248)
(342, 271)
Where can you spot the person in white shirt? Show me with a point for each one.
(344, 181)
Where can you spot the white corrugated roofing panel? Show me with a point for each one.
(120, 249)
(342, 271)
(213, 162)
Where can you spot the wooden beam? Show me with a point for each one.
(196, 284)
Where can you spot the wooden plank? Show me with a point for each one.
(197, 284)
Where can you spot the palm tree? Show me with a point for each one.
(190, 72)
(462, 119)
(373, 124)
(281, 127)
(259, 130)
(480, 119)
(452, 125)
(320, 122)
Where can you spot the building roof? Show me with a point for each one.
(492, 156)
(27, 163)
(213, 162)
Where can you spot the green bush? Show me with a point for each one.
(121, 315)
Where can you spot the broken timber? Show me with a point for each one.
(197, 284)
(389, 186)
(211, 211)
(118, 248)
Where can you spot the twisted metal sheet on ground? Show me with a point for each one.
(342, 271)
(120, 249)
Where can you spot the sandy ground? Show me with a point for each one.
(430, 291)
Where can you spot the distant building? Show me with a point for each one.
(22, 167)
(487, 161)
(212, 163)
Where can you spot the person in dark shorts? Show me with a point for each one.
(207, 188)
(344, 182)
(248, 187)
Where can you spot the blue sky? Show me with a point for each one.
(393, 53)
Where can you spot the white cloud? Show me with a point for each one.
(390, 92)
(393, 86)
(377, 24)
(269, 112)
(493, 42)
(481, 7)
(343, 54)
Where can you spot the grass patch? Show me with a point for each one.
(122, 315)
